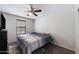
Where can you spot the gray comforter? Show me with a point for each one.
(30, 42)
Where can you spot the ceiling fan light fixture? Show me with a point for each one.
(29, 14)
(32, 11)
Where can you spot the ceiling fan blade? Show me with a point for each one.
(37, 10)
(35, 14)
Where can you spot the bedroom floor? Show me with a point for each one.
(47, 49)
(53, 49)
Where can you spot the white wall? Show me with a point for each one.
(11, 25)
(58, 20)
(77, 28)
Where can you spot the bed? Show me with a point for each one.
(32, 41)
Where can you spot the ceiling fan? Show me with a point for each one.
(33, 10)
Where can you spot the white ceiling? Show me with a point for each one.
(18, 9)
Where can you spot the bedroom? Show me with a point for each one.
(55, 20)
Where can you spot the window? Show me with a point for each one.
(20, 26)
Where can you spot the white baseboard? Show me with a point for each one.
(63, 46)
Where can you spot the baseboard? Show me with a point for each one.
(62, 46)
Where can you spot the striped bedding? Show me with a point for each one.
(32, 41)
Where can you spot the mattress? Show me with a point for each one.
(32, 41)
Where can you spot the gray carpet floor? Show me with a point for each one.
(47, 49)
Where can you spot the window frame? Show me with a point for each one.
(20, 26)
